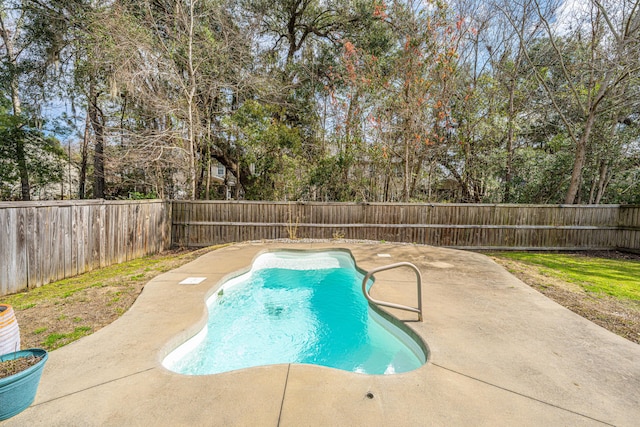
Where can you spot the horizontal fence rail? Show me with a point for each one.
(42, 242)
(466, 226)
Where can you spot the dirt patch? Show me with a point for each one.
(617, 316)
(54, 323)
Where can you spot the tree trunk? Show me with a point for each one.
(508, 174)
(578, 164)
(576, 175)
(510, 136)
(97, 123)
(21, 159)
(416, 173)
(599, 184)
(407, 173)
(603, 180)
(22, 169)
(84, 153)
(387, 179)
(190, 104)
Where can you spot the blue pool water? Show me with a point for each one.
(296, 307)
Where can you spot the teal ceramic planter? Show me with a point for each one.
(18, 391)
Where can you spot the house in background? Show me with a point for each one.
(224, 181)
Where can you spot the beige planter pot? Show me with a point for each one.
(9, 330)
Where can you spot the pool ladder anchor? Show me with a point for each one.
(391, 304)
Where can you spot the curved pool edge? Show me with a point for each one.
(413, 334)
(193, 335)
(190, 331)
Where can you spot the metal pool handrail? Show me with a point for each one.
(391, 304)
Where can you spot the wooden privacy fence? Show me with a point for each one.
(466, 226)
(42, 242)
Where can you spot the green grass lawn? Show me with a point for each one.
(616, 277)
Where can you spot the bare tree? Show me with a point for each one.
(602, 44)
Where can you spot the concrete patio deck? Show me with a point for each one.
(501, 354)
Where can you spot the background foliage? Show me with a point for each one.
(525, 101)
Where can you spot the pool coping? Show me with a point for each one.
(500, 354)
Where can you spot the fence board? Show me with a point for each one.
(33, 256)
(20, 256)
(7, 249)
(46, 227)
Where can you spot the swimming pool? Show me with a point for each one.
(297, 307)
